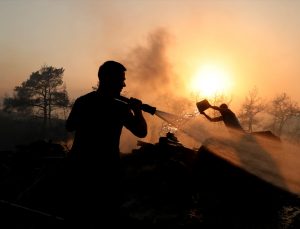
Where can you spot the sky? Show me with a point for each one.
(169, 47)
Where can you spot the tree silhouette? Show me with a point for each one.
(252, 105)
(39, 95)
(282, 109)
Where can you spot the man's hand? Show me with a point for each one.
(135, 104)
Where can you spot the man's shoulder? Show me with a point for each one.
(87, 96)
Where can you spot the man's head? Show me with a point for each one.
(223, 106)
(111, 76)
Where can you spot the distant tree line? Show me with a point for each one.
(282, 115)
(43, 97)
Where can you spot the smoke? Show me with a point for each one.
(150, 78)
(148, 66)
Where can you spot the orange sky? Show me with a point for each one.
(256, 42)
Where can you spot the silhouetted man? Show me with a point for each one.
(97, 119)
(227, 116)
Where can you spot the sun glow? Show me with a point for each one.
(210, 80)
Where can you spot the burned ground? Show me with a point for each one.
(162, 185)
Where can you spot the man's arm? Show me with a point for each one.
(216, 119)
(138, 124)
(215, 108)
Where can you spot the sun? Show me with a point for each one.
(210, 80)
